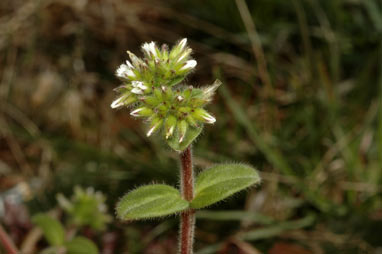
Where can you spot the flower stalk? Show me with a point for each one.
(187, 218)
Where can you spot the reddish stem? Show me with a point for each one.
(187, 222)
(7, 242)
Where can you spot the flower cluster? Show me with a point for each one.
(153, 88)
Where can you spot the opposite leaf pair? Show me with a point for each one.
(212, 185)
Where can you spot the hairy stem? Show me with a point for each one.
(187, 221)
(7, 242)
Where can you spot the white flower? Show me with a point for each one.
(138, 87)
(150, 48)
(139, 84)
(122, 69)
(190, 64)
(136, 90)
(125, 71)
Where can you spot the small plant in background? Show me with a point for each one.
(154, 89)
(86, 208)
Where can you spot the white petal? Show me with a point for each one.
(146, 48)
(136, 83)
(122, 69)
(152, 129)
(190, 64)
(136, 90)
(179, 98)
(149, 48)
(209, 118)
(182, 43)
(170, 132)
(129, 64)
(152, 48)
(130, 73)
(118, 102)
(142, 86)
(182, 57)
(135, 112)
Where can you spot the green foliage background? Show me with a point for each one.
(315, 133)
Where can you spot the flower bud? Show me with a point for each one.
(187, 93)
(142, 112)
(209, 91)
(162, 108)
(124, 100)
(168, 93)
(196, 102)
(191, 121)
(182, 127)
(170, 125)
(150, 50)
(151, 100)
(189, 65)
(182, 44)
(155, 124)
(203, 116)
(178, 48)
(184, 109)
(184, 55)
(158, 94)
(137, 62)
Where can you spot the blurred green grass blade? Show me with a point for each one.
(375, 13)
(275, 230)
(234, 215)
(272, 154)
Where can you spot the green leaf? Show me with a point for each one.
(221, 181)
(81, 245)
(150, 201)
(191, 135)
(52, 229)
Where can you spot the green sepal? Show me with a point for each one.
(191, 135)
(150, 201)
(51, 228)
(176, 80)
(81, 245)
(221, 181)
